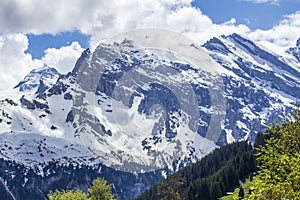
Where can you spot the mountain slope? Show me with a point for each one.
(262, 88)
(137, 128)
(138, 110)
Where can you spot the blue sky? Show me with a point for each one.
(254, 15)
(39, 33)
(39, 43)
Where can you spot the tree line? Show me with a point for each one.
(209, 178)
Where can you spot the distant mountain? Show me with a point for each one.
(38, 80)
(135, 110)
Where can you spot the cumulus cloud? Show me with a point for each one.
(64, 58)
(14, 63)
(177, 15)
(102, 19)
(282, 35)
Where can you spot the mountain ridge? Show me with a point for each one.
(85, 118)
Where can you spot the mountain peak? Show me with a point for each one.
(38, 80)
(80, 60)
(216, 45)
(241, 39)
(298, 42)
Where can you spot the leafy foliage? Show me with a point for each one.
(98, 191)
(278, 175)
(67, 195)
(210, 178)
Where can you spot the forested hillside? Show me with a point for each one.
(275, 164)
(210, 178)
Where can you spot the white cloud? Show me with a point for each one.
(90, 16)
(180, 17)
(102, 19)
(64, 58)
(281, 36)
(14, 63)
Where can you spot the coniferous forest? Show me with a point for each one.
(210, 178)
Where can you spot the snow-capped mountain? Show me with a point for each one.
(64, 112)
(136, 110)
(262, 88)
(38, 80)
